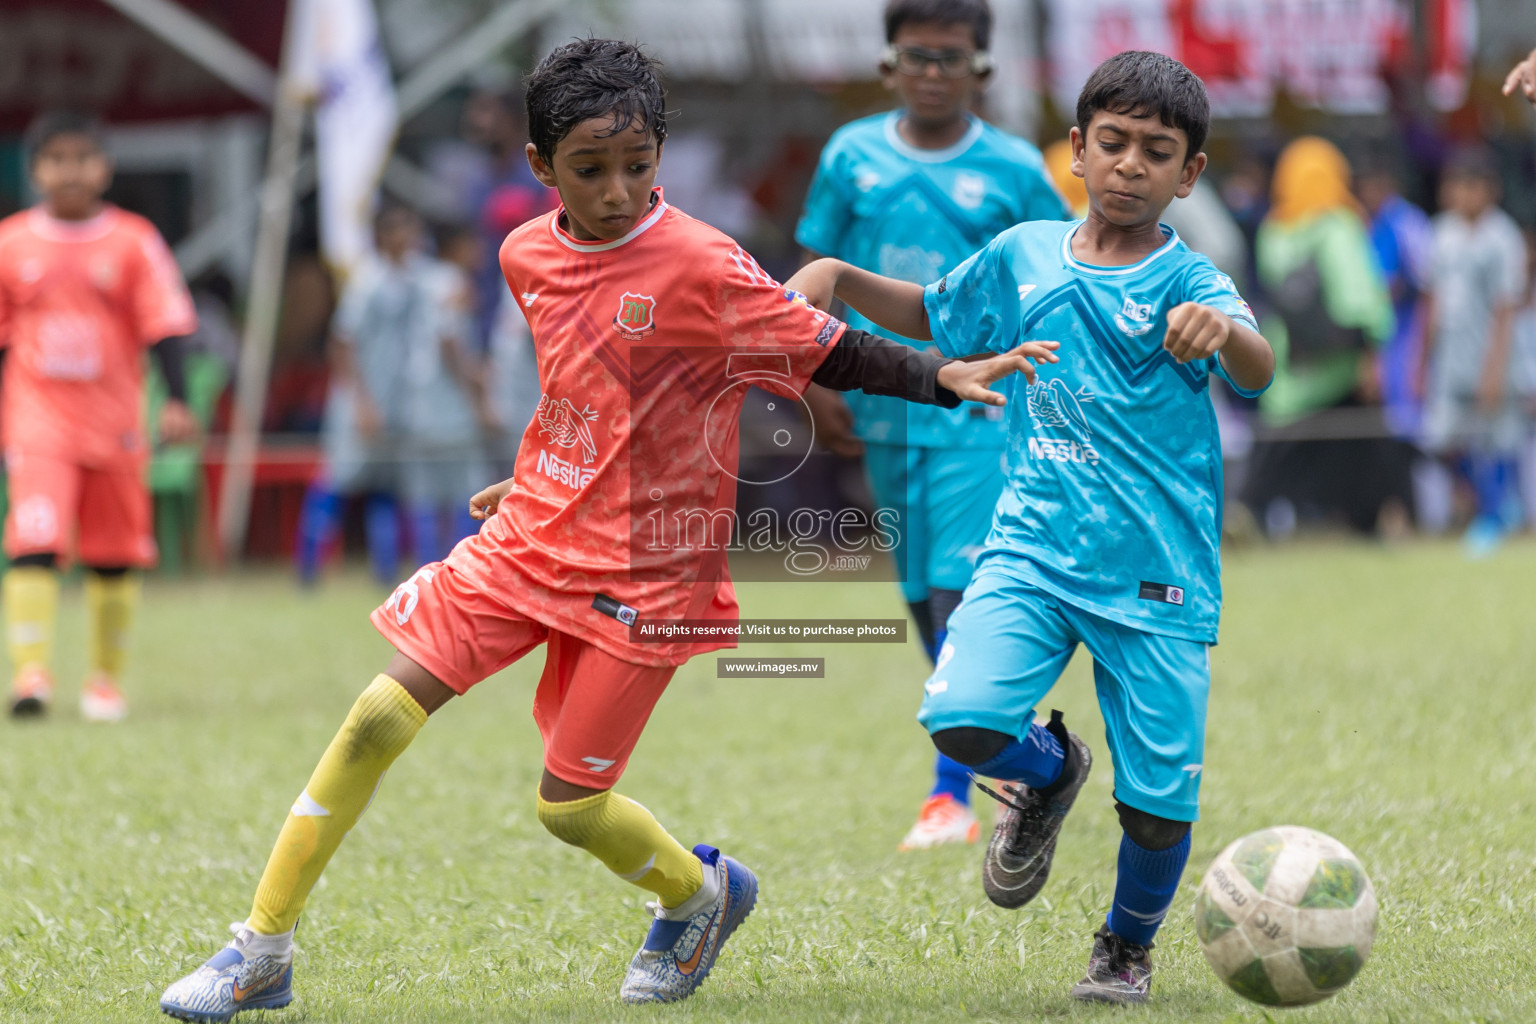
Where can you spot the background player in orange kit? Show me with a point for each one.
(641, 316)
(85, 288)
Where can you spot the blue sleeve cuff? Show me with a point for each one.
(1221, 371)
(932, 304)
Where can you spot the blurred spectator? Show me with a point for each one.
(1522, 77)
(1404, 244)
(1245, 191)
(385, 308)
(507, 196)
(512, 385)
(1523, 372)
(1330, 310)
(442, 457)
(1403, 241)
(1471, 412)
(1205, 225)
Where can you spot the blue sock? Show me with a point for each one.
(949, 775)
(425, 534)
(382, 524)
(952, 777)
(1035, 760)
(319, 517)
(463, 525)
(1493, 480)
(1144, 888)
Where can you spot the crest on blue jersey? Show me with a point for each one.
(1136, 315)
(969, 191)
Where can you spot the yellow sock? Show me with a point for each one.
(110, 603)
(31, 595)
(381, 724)
(629, 841)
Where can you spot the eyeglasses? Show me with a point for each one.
(951, 63)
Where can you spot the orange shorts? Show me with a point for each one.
(52, 498)
(590, 706)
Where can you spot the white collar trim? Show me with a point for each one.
(49, 227)
(1139, 265)
(931, 156)
(576, 245)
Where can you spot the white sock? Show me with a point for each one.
(695, 904)
(252, 943)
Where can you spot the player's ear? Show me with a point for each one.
(887, 68)
(1191, 174)
(539, 167)
(1078, 145)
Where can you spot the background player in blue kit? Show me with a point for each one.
(1108, 531)
(909, 194)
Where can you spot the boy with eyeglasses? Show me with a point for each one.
(909, 194)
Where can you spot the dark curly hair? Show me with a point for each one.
(975, 14)
(1142, 83)
(590, 78)
(54, 123)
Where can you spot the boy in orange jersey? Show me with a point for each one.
(645, 322)
(85, 288)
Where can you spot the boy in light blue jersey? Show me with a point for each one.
(1108, 529)
(909, 194)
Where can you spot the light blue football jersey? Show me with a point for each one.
(914, 214)
(1114, 499)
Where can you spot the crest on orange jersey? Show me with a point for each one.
(636, 315)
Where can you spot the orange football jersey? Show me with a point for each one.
(79, 303)
(625, 482)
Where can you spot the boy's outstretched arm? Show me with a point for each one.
(1196, 331)
(895, 305)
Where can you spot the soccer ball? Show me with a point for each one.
(1286, 916)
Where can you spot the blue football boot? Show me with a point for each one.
(683, 942)
(234, 979)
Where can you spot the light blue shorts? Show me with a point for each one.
(944, 500)
(1009, 642)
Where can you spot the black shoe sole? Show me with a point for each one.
(28, 707)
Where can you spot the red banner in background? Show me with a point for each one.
(1328, 54)
(84, 54)
(1452, 35)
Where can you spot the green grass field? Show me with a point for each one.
(1382, 695)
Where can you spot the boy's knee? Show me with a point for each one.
(971, 745)
(577, 822)
(1148, 831)
(382, 722)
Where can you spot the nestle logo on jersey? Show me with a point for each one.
(561, 471)
(1058, 450)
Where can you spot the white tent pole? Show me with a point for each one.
(264, 298)
(206, 45)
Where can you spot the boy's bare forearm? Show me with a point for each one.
(895, 305)
(1248, 358)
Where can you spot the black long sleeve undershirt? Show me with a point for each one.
(171, 354)
(861, 361)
